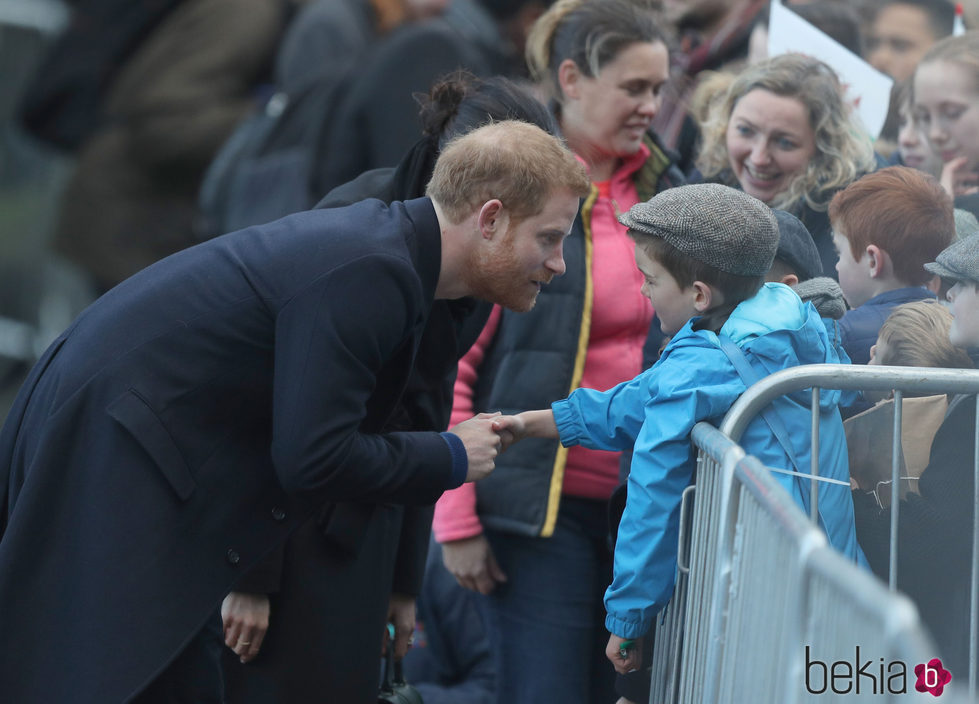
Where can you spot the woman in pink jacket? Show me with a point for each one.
(535, 539)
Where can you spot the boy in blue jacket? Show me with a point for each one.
(704, 251)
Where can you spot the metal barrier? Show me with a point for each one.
(757, 581)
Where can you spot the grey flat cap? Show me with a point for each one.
(959, 261)
(965, 224)
(713, 224)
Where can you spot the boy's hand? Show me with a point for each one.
(511, 429)
(625, 654)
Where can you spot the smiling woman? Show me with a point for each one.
(783, 133)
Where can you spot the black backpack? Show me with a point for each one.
(266, 169)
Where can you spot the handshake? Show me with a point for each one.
(488, 434)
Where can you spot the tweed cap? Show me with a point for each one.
(712, 224)
(796, 248)
(959, 261)
(965, 224)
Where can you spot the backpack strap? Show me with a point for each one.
(750, 376)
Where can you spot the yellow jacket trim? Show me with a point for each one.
(560, 460)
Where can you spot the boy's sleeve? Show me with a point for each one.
(602, 420)
(662, 466)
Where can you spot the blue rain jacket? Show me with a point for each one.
(655, 412)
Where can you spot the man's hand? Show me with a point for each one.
(633, 653)
(246, 619)
(472, 563)
(401, 612)
(481, 442)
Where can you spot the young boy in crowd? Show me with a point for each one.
(917, 335)
(886, 226)
(704, 251)
(935, 525)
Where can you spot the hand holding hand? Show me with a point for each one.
(246, 620)
(511, 429)
(624, 654)
(481, 442)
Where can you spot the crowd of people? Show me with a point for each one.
(408, 308)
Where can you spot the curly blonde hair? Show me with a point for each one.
(843, 149)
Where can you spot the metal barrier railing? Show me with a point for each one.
(757, 582)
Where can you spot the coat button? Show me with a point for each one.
(233, 557)
(278, 514)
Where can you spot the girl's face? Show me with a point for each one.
(609, 114)
(913, 145)
(947, 110)
(769, 142)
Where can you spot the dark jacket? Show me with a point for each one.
(378, 118)
(451, 662)
(329, 586)
(934, 536)
(538, 357)
(183, 425)
(859, 327)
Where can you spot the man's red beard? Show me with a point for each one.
(498, 278)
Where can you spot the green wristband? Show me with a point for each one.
(625, 646)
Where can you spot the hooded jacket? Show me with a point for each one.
(694, 381)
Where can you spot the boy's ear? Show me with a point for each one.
(704, 297)
(492, 219)
(878, 261)
(789, 279)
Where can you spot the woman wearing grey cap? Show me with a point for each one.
(536, 540)
(783, 133)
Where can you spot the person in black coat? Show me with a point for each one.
(327, 594)
(186, 422)
(376, 121)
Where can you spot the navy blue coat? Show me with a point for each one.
(185, 423)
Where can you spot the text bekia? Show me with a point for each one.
(859, 676)
(867, 677)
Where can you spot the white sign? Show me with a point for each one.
(867, 89)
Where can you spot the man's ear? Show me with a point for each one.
(878, 261)
(492, 219)
(789, 280)
(569, 77)
(704, 297)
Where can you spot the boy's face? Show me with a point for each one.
(854, 274)
(674, 305)
(964, 301)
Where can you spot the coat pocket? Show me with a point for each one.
(132, 413)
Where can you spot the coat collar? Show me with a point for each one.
(425, 243)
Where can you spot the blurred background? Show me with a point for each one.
(39, 293)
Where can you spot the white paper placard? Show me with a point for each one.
(867, 89)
